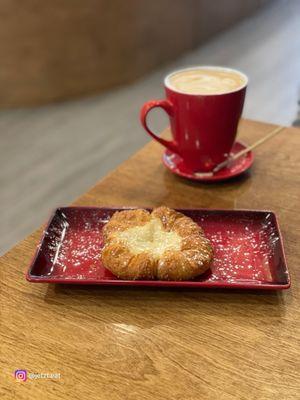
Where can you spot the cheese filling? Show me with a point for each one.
(150, 238)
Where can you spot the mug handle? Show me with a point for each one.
(167, 106)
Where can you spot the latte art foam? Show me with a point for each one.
(206, 81)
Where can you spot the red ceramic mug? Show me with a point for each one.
(203, 126)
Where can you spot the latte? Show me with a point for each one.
(204, 81)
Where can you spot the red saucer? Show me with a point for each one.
(176, 165)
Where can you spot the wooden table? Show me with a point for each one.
(128, 343)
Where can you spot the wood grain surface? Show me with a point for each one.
(131, 343)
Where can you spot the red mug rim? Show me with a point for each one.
(212, 67)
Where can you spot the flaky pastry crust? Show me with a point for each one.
(190, 256)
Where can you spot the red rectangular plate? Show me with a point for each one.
(247, 246)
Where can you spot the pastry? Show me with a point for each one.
(163, 244)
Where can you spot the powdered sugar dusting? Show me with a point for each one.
(244, 250)
(75, 244)
(246, 246)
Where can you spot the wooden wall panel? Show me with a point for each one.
(51, 50)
